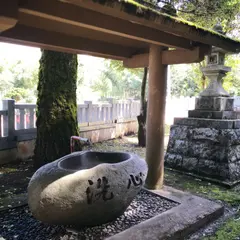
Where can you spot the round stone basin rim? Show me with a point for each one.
(88, 159)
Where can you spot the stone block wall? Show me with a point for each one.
(96, 133)
(205, 151)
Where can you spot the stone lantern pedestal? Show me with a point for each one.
(207, 143)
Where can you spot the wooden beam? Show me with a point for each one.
(155, 118)
(184, 56)
(169, 57)
(69, 29)
(82, 17)
(8, 14)
(158, 21)
(21, 34)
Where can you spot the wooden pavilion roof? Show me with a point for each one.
(106, 28)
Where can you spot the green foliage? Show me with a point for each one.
(184, 81)
(203, 188)
(208, 13)
(212, 191)
(204, 13)
(103, 86)
(80, 74)
(188, 80)
(232, 79)
(17, 94)
(18, 81)
(118, 82)
(6, 81)
(24, 77)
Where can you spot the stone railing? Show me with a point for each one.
(25, 116)
(18, 121)
(93, 114)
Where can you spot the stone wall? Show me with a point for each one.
(212, 151)
(96, 133)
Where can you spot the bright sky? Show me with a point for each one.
(14, 52)
(29, 56)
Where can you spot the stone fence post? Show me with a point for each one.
(130, 108)
(112, 109)
(9, 120)
(89, 111)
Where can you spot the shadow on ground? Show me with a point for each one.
(14, 179)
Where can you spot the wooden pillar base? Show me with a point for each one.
(156, 118)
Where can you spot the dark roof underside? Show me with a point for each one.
(114, 29)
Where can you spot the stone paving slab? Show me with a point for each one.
(191, 214)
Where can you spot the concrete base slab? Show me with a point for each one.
(191, 214)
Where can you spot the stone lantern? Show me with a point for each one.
(214, 102)
(207, 142)
(215, 70)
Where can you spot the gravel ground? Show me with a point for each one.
(14, 178)
(18, 223)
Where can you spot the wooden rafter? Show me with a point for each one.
(110, 29)
(67, 13)
(73, 30)
(158, 22)
(59, 42)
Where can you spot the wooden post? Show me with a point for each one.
(155, 118)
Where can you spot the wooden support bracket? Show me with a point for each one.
(169, 57)
(8, 14)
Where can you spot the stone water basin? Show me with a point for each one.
(86, 188)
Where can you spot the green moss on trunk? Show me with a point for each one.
(56, 106)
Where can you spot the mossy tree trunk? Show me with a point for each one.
(143, 112)
(56, 106)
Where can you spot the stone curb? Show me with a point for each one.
(13, 201)
(226, 184)
(191, 214)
